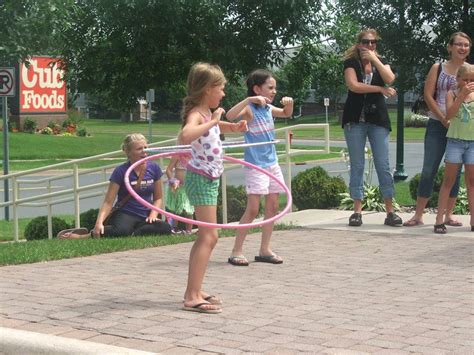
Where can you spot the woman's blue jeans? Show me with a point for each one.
(435, 145)
(356, 135)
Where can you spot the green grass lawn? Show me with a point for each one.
(29, 151)
(336, 132)
(402, 194)
(46, 250)
(107, 135)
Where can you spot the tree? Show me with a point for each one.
(408, 30)
(31, 27)
(414, 33)
(120, 48)
(448, 17)
(317, 62)
(328, 78)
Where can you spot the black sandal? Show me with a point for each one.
(355, 220)
(393, 220)
(440, 228)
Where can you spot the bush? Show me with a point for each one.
(47, 131)
(236, 203)
(462, 202)
(373, 200)
(314, 188)
(29, 126)
(82, 132)
(12, 126)
(88, 218)
(55, 127)
(75, 117)
(415, 181)
(38, 227)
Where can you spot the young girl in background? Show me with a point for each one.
(439, 81)
(201, 129)
(460, 146)
(258, 112)
(177, 201)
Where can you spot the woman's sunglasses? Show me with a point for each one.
(368, 41)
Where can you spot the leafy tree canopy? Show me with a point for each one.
(31, 27)
(123, 47)
(414, 33)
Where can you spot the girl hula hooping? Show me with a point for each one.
(258, 112)
(201, 129)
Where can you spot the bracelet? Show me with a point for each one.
(172, 181)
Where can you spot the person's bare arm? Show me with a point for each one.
(429, 92)
(195, 127)
(287, 109)
(353, 85)
(105, 208)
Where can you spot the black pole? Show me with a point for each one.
(399, 174)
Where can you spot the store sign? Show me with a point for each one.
(42, 89)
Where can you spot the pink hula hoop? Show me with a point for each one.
(207, 224)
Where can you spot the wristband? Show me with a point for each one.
(172, 181)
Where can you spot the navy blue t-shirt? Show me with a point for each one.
(153, 173)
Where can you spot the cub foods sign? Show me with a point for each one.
(41, 88)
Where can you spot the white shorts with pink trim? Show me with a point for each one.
(257, 183)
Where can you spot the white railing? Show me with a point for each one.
(78, 192)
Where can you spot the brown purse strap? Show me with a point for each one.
(136, 187)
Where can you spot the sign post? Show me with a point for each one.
(326, 104)
(150, 98)
(7, 88)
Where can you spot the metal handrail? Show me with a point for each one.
(78, 192)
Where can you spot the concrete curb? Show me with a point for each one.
(14, 341)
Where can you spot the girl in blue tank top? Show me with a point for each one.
(258, 112)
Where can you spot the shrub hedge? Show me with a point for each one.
(38, 227)
(314, 188)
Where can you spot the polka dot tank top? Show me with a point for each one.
(206, 153)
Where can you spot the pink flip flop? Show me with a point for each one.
(413, 223)
(79, 231)
(453, 223)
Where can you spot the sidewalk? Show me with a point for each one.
(372, 289)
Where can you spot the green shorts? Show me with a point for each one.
(201, 190)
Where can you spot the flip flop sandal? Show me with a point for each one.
(80, 231)
(238, 260)
(453, 223)
(199, 308)
(213, 300)
(271, 259)
(412, 223)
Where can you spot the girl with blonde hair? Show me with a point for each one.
(129, 217)
(201, 129)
